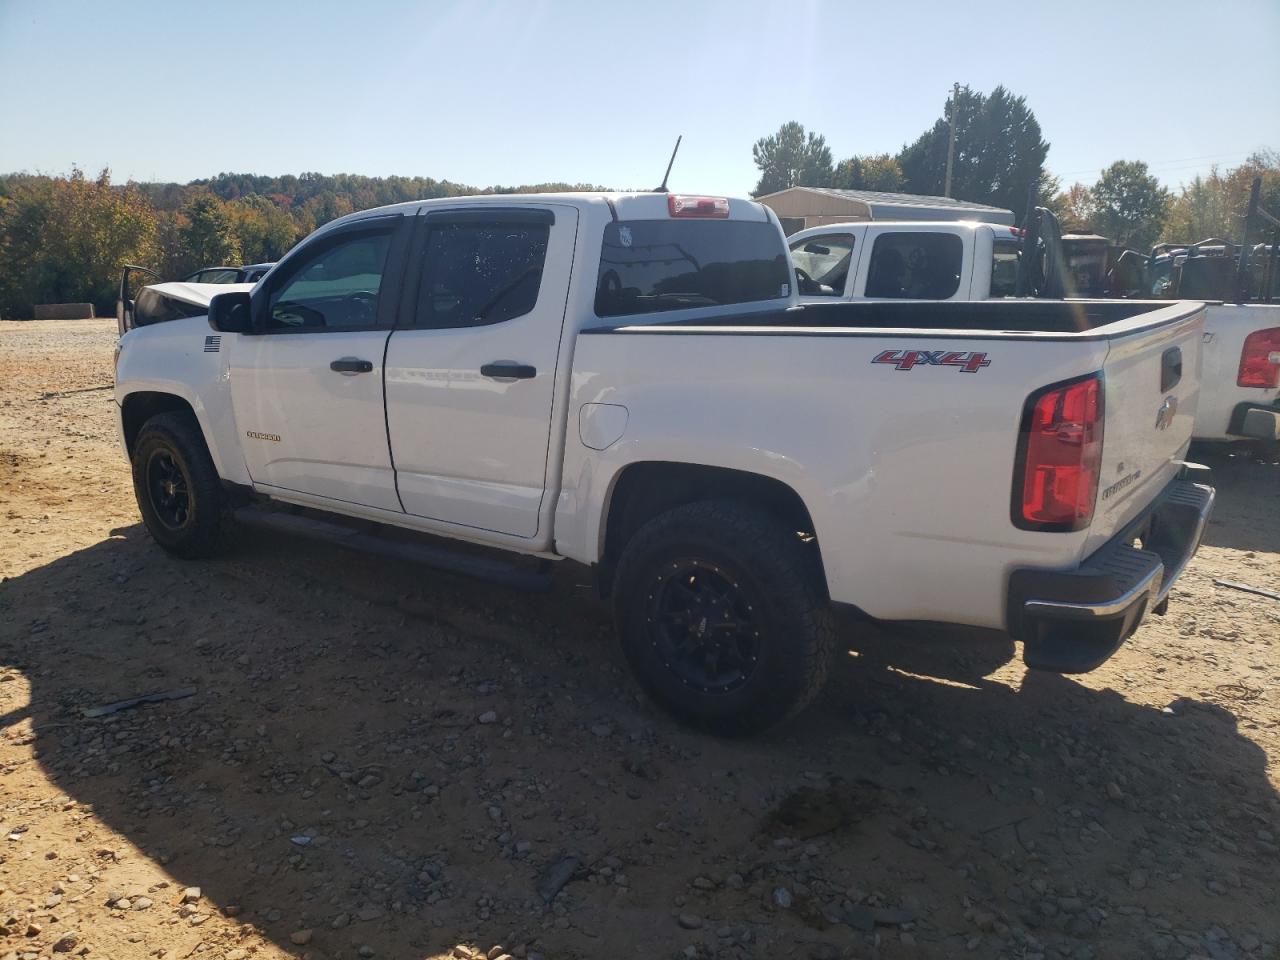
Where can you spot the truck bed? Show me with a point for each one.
(1099, 318)
(899, 425)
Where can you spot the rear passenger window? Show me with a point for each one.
(476, 273)
(915, 266)
(1004, 269)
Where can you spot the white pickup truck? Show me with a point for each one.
(628, 381)
(1240, 379)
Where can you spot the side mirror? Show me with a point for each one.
(230, 313)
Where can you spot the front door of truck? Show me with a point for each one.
(471, 368)
(306, 385)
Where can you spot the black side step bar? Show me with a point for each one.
(454, 561)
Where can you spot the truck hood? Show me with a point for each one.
(198, 294)
(162, 302)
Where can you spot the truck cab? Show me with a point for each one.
(961, 260)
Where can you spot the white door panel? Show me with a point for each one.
(307, 387)
(307, 427)
(471, 448)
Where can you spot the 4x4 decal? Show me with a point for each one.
(967, 361)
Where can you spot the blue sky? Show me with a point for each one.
(539, 90)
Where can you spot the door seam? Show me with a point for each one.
(386, 420)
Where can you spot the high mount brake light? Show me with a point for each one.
(1260, 360)
(712, 208)
(1055, 483)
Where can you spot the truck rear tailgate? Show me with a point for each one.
(1151, 383)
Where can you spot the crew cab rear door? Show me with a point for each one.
(903, 262)
(471, 366)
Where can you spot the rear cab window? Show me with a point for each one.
(822, 263)
(1004, 267)
(650, 266)
(915, 265)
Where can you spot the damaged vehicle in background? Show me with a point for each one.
(249, 273)
(143, 302)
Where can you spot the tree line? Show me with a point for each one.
(64, 239)
(999, 158)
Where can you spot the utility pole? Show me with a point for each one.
(951, 142)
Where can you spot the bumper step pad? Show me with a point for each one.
(1072, 621)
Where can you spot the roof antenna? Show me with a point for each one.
(663, 187)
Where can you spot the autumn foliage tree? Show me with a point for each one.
(1074, 208)
(64, 239)
(1214, 205)
(1129, 204)
(207, 235)
(871, 172)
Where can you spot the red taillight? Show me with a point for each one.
(1056, 479)
(716, 208)
(1260, 360)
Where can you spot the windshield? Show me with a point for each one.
(652, 265)
(824, 260)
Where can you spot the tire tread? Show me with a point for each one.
(766, 544)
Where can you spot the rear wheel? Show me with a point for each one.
(723, 616)
(177, 488)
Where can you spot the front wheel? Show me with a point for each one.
(722, 614)
(177, 487)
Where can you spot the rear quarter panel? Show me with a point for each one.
(906, 473)
(1226, 327)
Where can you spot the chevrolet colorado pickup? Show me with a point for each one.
(1240, 379)
(628, 381)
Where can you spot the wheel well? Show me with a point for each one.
(138, 408)
(645, 490)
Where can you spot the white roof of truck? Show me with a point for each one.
(875, 205)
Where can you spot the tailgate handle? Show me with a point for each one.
(1170, 369)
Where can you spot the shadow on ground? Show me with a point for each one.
(1247, 514)
(335, 771)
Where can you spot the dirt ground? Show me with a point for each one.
(382, 761)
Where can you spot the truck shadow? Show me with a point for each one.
(1247, 477)
(393, 759)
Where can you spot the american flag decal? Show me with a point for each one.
(212, 344)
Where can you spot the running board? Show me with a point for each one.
(441, 558)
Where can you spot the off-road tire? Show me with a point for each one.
(177, 436)
(775, 572)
